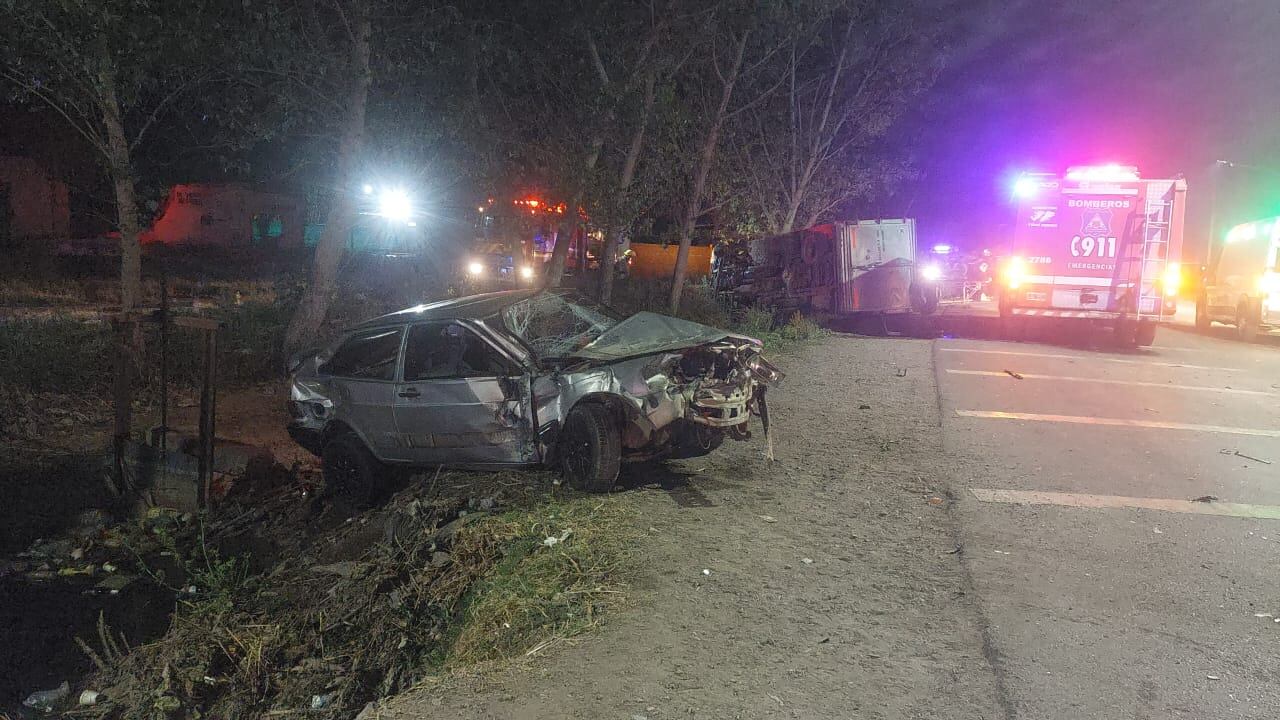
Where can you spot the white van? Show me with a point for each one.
(1243, 287)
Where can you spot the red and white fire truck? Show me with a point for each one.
(1098, 243)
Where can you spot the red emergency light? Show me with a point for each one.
(1110, 172)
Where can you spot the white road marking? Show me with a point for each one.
(1028, 497)
(1121, 422)
(1104, 358)
(1138, 383)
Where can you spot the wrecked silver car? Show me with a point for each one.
(523, 378)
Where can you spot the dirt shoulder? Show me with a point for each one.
(825, 584)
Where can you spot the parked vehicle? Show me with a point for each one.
(1243, 287)
(840, 268)
(523, 378)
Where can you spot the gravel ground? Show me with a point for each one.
(826, 584)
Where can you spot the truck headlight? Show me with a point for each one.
(1269, 283)
(475, 268)
(931, 272)
(1172, 279)
(1015, 273)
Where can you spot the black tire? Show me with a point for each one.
(1145, 334)
(1203, 321)
(693, 440)
(590, 448)
(351, 471)
(924, 299)
(1125, 333)
(1247, 321)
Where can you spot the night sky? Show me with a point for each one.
(1168, 86)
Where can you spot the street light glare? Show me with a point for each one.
(367, 189)
(395, 205)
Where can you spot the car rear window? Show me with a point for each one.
(369, 355)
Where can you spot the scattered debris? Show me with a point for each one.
(807, 561)
(935, 500)
(1205, 499)
(705, 571)
(345, 569)
(1237, 453)
(320, 702)
(89, 697)
(824, 640)
(115, 583)
(901, 372)
(1014, 375)
(1002, 552)
(1213, 677)
(769, 518)
(553, 540)
(46, 699)
(1157, 531)
(1263, 615)
(864, 406)
(955, 550)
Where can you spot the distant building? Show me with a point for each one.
(228, 215)
(33, 204)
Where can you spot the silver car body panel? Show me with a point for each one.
(497, 421)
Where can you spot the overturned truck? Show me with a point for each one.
(840, 268)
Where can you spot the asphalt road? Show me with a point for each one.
(1107, 589)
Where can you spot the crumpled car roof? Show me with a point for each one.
(646, 333)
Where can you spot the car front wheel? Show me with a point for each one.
(351, 471)
(590, 448)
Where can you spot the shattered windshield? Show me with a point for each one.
(555, 326)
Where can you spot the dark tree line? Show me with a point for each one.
(764, 114)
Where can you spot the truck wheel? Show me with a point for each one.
(1247, 321)
(590, 448)
(1145, 335)
(351, 471)
(1203, 321)
(1125, 333)
(924, 299)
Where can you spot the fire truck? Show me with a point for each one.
(1099, 244)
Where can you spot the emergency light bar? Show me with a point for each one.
(1103, 173)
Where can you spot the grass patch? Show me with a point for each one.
(438, 594)
(535, 591)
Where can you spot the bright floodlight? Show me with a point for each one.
(942, 249)
(476, 268)
(931, 272)
(395, 205)
(526, 272)
(1024, 187)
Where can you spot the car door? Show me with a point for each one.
(461, 400)
(360, 379)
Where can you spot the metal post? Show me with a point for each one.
(205, 467)
(122, 396)
(164, 362)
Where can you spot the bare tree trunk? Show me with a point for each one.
(555, 269)
(311, 312)
(705, 159)
(126, 197)
(614, 236)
